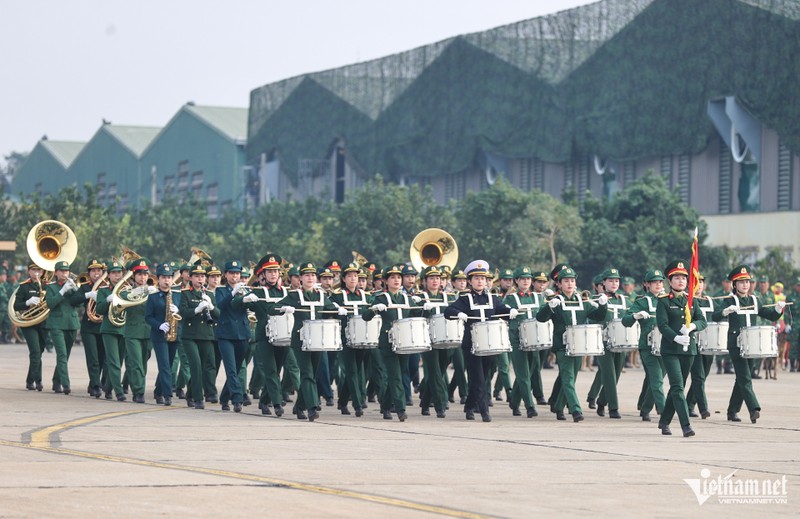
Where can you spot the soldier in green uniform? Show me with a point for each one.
(62, 323)
(793, 327)
(611, 364)
(376, 371)
(290, 380)
(311, 302)
(741, 310)
(696, 394)
(568, 309)
(597, 383)
(180, 365)
(433, 388)
(541, 292)
(459, 380)
(765, 297)
(410, 368)
(136, 331)
(90, 331)
(199, 314)
(30, 293)
(213, 280)
(678, 344)
(113, 339)
(500, 363)
(525, 362)
(643, 311)
(354, 301)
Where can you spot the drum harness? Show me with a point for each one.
(269, 299)
(528, 307)
(746, 313)
(312, 304)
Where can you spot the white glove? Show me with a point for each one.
(462, 317)
(686, 331)
(173, 309)
(115, 300)
(380, 307)
(428, 306)
(139, 292)
(238, 288)
(250, 298)
(683, 340)
(91, 294)
(729, 310)
(416, 299)
(602, 300)
(33, 301)
(152, 289)
(209, 305)
(342, 310)
(788, 329)
(549, 293)
(554, 303)
(513, 313)
(68, 287)
(287, 309)
(779, 306)
(641, 315)
(206, 298)
(164, 327)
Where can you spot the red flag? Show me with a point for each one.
(694, 275)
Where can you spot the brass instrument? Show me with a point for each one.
(433, 247)
(171, 319)
(252, 279)
(116, 314)
(91, 306)
(48, 242)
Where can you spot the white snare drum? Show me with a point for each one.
(758, 342)
(622, 338)
(445, 333)
(584, 339)
(410, 335)
(535, 336)
(321, 335)
(279, 329)
(714, 339)
(361, 334)
(490, 338)
(654, 341)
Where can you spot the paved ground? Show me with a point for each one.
(74, 456)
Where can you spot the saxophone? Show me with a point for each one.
(172, 320)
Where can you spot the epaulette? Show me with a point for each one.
(665, 295)
(184, 289)
(26, 281)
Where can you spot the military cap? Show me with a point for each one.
(114, 266)
(325, 272)
(556, 270)
(213, 270)
(506, 274)
(233, 266)
(269, 261)
(138, 265)
(653, 275)
(61, 265)
(700, 277)
(378, 274)
(175, 266)
(432, 270)
(185, 266)
(763, 279)
(740, 272)
(294, 271)
(393, 269)
(478, 268)
(164, 269)
(446, 271)
(677, 267)
(567, 272)
(95, 263)
(351, 267)
(458, 274)
(333, 265)
(362, 273)
(611, 273)
(597, 280)
(409, 270)
(372, 267)
(33, 265)
(306, 268)
(197, 268)
(627, 280)
(521, 272)
(539, 275)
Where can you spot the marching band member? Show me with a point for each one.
(611, 363)
(433, 388)
(136, 331)
(180, 366)
(643, 311)
(696, 394)
(198, 312)
(568, 309)
(156, 310)
(410, 368)
(500, 362)
(311, 301)
(29, 294)
(62, 323)
(741, 309)
(213, 280)
(540, 292)
(113, 338)
(90, 332)
(328, 365)
(459, 381)
(392, 305)
(678, 344)
(477, 303)
(232, 332)
(524, 362)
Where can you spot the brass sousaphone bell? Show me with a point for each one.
(433, 247)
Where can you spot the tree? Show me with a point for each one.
(777, 267)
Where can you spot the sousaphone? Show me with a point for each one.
(433, 247)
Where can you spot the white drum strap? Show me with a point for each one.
(437, 305)
(269, 299)
(651, 307)
(480, 308)
(392, 304)
(527, 307)
(707, 309)
(747, 313)
(312, 304)
(573, 309)
(355, 303)
(617, 308)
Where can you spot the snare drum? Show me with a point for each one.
(584, 339)
(758, 342)
(279, 329)
(535, 336)
(321, 335)
(490, 338)
(714, 339)
(622, 338)
(654, 341)
(410, 335)
(361, 334)
(445, 333)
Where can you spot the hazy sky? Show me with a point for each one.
(68, 64)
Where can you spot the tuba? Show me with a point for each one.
(116, 314)
(91, 306)
(48, 242)
(433, 247)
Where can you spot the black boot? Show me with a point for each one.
(560, 415)
(734, 417)
(687, 431)
(278, 410)
(601, 410)
(755, 415)
(531, 411)
(664, 429)
(592, 402)
(577, 416)
(614, 413)
(470, 415)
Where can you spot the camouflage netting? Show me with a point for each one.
(622, 79)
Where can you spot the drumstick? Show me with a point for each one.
(320, 311)
(764, 306)
(486, 318)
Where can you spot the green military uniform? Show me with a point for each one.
(460, 380)
(62, 324)
(525, 362)
(433, 388)
(113, 339)
(643, 311)
(793, 333)
(199, 312)
(91, 337)
(180, 365)
(738, 318)
(136, 331)
(696, 393)
(610, 365)
(677, 357)
(597, 383)
(500, 362)
(566, 311)
(35, 336)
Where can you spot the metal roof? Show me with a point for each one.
(231, 122)
(63, 151)
(135, 138)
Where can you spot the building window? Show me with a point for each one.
(340, 177)
(212, 192)
(684, 177)
(455, 186)
(111, 193)
(785, 175)
(746, 255)
(628, 173)
(169, 185)
(122, 206)
(101, 188)
(183, 182)
(213, 210)
(525, 174)
(197, 183)
(725, 178)
(749, 187)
